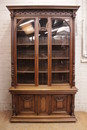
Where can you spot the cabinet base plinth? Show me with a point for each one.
(17, 119)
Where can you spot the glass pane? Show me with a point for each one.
(60, 51)
(43, 52)
(25, 51)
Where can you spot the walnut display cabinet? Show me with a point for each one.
(42, 63)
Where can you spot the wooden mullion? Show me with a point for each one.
(71, 42)
(49, 51)
(36, 51)
(73, 57)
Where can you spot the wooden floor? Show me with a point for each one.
(81, 124)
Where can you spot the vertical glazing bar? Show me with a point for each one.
(36, 51)
(71, 50)
(73, 64)
(49, 51)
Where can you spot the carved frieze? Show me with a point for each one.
(43, 12)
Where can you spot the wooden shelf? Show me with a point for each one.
(43, 44)
(43, 71)
(60, 44)
(43, 58)
(25, 71)
(25, 58)
(40, 58)
(26, 44)
(61, 71)
(65, 71)
(20, 31)
(60, 58)
(59, 82)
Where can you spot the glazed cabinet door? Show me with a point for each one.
(25, 46)
(60, 32)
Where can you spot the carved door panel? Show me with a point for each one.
(43, 104)
(27, 104)
(61, 104)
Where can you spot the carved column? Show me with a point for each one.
(12, 49)
(73, 56)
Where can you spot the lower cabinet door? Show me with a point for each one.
(27, 104)
(60, 104)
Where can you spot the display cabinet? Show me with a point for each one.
(42, 63)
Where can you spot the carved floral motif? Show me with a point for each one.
(59, 98)
(27, 97)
